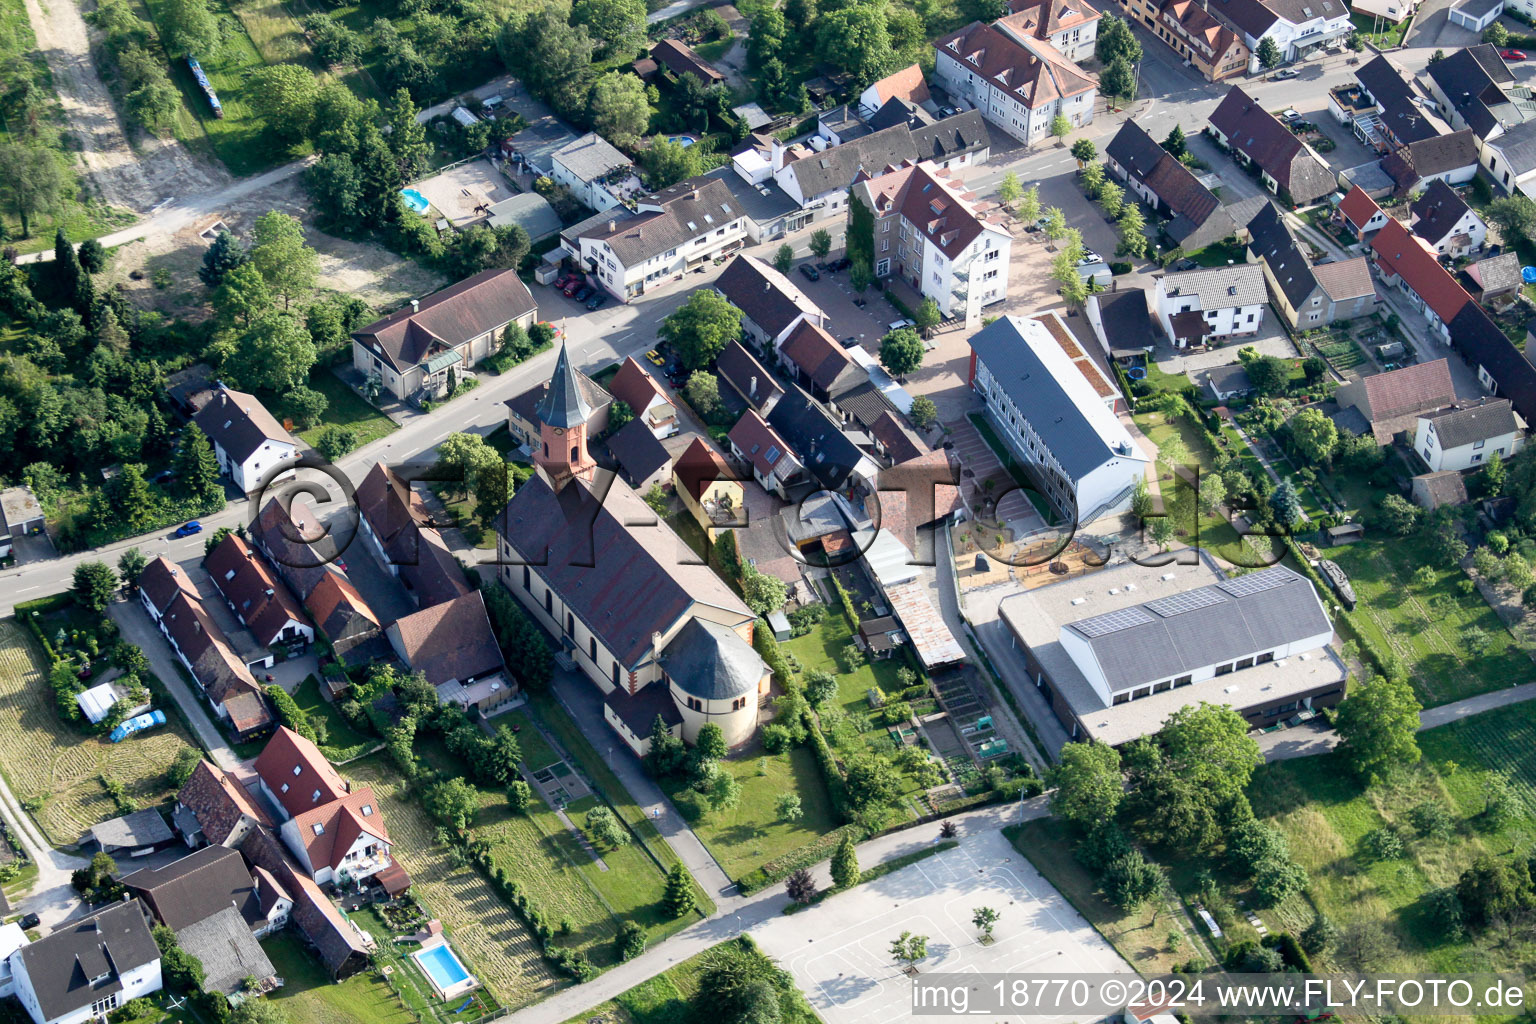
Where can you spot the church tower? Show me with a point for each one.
(563, 415)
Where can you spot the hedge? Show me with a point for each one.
(571, 962)
(1291, 950)
(826, 761)
(289, 712)
(780, 868)
(767, 647)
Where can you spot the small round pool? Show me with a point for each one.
(415, 200)
(683, 140)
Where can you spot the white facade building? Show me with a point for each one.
(1018, 87)
(1461, 439)
(247, 439)
(1229, 301)
(86, 968)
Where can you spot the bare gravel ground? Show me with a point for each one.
(133, 177)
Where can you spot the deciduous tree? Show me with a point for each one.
(32, 182)
(1087, 784)
(283, 95)
(901, 351)
(188, 29)
(618, 108)
(278, 251)
(1378, 725)
(701, 328)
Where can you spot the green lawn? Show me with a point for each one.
(309, 996)
(1425, 628)
(347, 409)
(752, 833)
(1388, 36)
(537, 753)
(1215, 533)
(1219, 254)
(342, 742)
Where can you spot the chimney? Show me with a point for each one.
(415, 305)
(776, 156)
(613, 226)
(752, 390)
(656, 647)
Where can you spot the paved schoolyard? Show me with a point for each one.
(843, 964)
(1014, 508)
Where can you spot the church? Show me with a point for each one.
(627, 600)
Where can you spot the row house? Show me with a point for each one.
(1196, 34)
(261, 601)
(1308, 297)
(1408, 263)
(771, 304)
(1287, 166)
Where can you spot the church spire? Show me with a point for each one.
(562, 404)
(563, 414)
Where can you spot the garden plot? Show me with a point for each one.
(45, 760)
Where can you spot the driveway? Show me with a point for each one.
(1271, 340)
(133, 621)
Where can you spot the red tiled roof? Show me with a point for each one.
(1410, 389)
(297, 773)
(1044, 18)
(450, 641)
(816, 353)
(1358, 208)
(679, 58)
(261, 600)
(448, 318)
(340, 822)
(1398, 252)
(907, 84)
(1007, 65)
(635, 387)
(162, 580)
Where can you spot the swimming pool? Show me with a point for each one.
(415, 200)
(682, 140)
(444, 970)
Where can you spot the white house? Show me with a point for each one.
(1211, 302)
(1016, 85)
(1510, 159)
(333, 831)
(88, 967)
(682, 227)
(1055, 422)
(247, 440)
(1463, 438)
(598, 175)
(1298, 27)
(1444, 220)
(926, 232)
(1391, 10)
(12, 938)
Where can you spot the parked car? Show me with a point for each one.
(1512, 55)
(584, 293)
(841, 263)
(850, 342)
(187, 529)
(29, 921)
(1302, 127)
(1285, 74)
(810, 272)
(1089, 256)
(596, 301)
(896, 325)
(655, 358)
(572, 285)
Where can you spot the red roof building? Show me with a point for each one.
(1405, 260)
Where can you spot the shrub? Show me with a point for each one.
(289, 713)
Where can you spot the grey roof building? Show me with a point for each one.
(197, 886)
(1122, 323)
(537, 144)
(228, 951)
(1457, 427)
(529, 211)
(711, 662)
(640, 454)
(563, 405)
(1120, 650)
(830, 456)
(141, 830)
(589, 157)
(109, 955)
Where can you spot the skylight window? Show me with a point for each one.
(319, 828)
(367, 810)
(314, 797)
(297, 768)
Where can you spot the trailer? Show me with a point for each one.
(138, 723)
(206, 86)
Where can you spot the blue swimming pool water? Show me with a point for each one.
(415, 200)
(682, 140)
(443, 967)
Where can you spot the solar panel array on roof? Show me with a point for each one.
(1112, 622)
(1188, 601)
(1257, 582)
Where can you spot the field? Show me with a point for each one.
(308, 995)
(1425, 627)
(752, 833)
(1326, 815)
(347, 409)
(44, 760)
(499, 949)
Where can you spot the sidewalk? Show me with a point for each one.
(747, 914)
(136, 628)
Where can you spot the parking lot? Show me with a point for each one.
(844, 965)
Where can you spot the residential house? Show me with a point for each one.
(1398, 118)
(523, 411)
(819, 364)
(574, 555)
(1359, 214)
(203, 649)
(1287, 166)
(214, 809)
(771, 305)
(642, 459)
(6, 540)
(906, 85)
(339, 945)
(895, 440)
(1407, 262)
(1430, 491)
(749, 378)
(1444, 220)
(1463, 437)
(1070, 27)
(204, 882)
(1195, 306)
(830, 456)
(1501, 367)
(1122, 324)
(1053, 420)
(1196, 217)
(1116, 653)
(775, 466)
(678, 58)
(334, 832)
(1228, 382)
(1208, 42)
(453, 646)
(160, 582)
(248, 442)
(708, 488)
(683, 226)
(12, 938)
(1298, 27)
(1451, 158)
(1392, 402)
(817, 182)
(651, 405)
(88, 967)
(396, 526)
(1308, 297)
(1510, 159)
(599, 176)
(22, 510)
(931, 233)
(532, 150)
(261, 601)
(769, 209)
(415, 353)
(1493, 279)
(1018, 86)
(1475, 89)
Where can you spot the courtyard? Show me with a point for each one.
(464, 192)
(845, 968)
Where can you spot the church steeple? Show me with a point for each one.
(563, 414)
